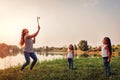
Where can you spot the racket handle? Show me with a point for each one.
(38, 18)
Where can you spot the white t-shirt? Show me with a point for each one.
(70, 54)
(104, 51)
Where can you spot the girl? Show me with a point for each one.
(28, 40)
(70, 56)
(106, 52)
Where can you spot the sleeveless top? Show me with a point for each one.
(104, 51)
(28, 45)
(70, 54)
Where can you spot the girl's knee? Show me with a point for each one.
(28, 62)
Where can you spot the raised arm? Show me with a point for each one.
(35, 34)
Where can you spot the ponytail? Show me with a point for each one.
(22, 38)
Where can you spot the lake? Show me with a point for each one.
(19, 59)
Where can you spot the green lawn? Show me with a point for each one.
(84, 69)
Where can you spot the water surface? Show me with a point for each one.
(19, 59)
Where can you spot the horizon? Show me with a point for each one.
(54, 46)
(62, 22)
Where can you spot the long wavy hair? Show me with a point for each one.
(70, 47)
(107, 39)
(22, 37)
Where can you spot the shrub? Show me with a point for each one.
(95, 55)
(118, 53)
(84, 55)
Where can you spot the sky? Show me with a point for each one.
(62, 22)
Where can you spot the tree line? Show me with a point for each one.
(83, 45)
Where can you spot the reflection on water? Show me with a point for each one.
(19, 59)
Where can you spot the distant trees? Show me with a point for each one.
(75, 47)
(51, 49)
(83, 45)
(116, 48)
(7, 50)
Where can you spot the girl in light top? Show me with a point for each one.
(70, 56)
(28, 40)
(106, 52)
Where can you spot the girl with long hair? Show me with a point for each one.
(70, 56)
(106, 53)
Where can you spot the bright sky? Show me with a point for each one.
(62, 21)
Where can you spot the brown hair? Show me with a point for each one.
(107, 39)
(71, 47)
(22, 37)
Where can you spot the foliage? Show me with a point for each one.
(116, 48)
(8, 50)
(84, 55)
(51, 49)
(96, 55)
(75, 47)
(83, 45)
(84, 69)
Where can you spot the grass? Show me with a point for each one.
(84, 69)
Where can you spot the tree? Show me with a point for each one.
(90, 48)
(83, 45)
(75, 47)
